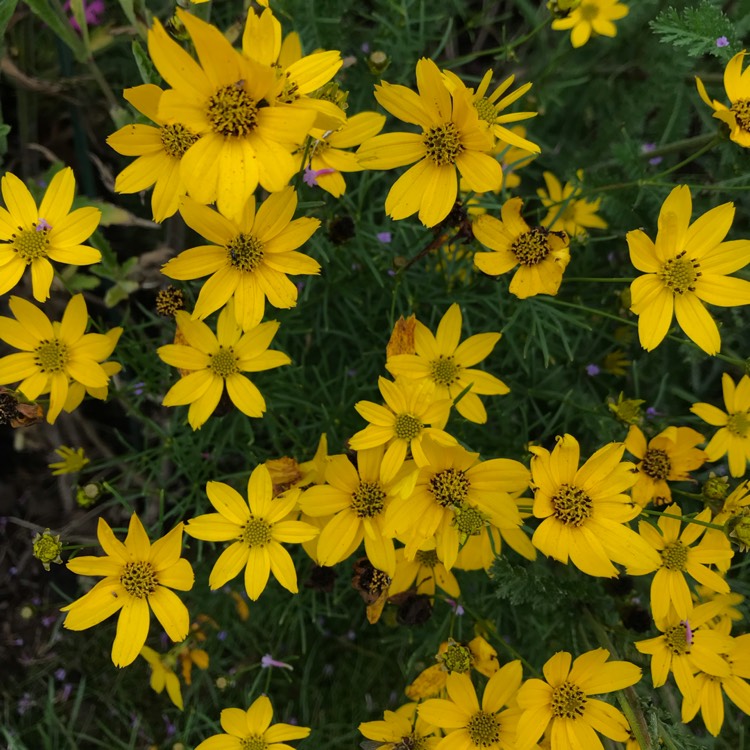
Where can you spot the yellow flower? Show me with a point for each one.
(256, 527)
(671, 455)
(737, 87)
(733, 437)
(591, 17)
(216, 361)
(31, 236)
(402, 424)
(566, 209)
(138, 575)
(542, 255)
(46, 547)
(585, 510)
(677, 557)
(73, 460)
(54, 354)
(423, 574)
(401, 729)
(159, 151)
(252, 729)
(443, 362)
(248, 259)
(467, 725)
(563, 699)
(162, 675)
(686, 266)
(224, 99)
(453, 137)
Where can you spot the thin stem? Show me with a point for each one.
(594, 279)
(685, 519)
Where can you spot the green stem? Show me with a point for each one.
(594, 279)
(714, 140)
(684, 519)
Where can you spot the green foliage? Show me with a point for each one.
(695, 30)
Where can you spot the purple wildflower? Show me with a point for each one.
(93, 11)
(384, 237)
(592, 370)
(311, 175)
(722, 41)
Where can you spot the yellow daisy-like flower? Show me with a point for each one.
(585, 510)
(138, 576)
(677, 557)
(32, 236)
(248, 259)
(53, 353)
(671, 455)
(733, 436)
(467, 725)
(252, 730)
(159, 151)
(423, 574)
(453, 138)
(686, 266)
(563, 699)
(403, 423)
(737, 87)
(401, 729)
(73, 460)
(224, 99)
(256, 527)
(163, 675)
(542, 255)
(591, 17)
(446, 364)
(566, 209)
(484, 545)
(216, 361)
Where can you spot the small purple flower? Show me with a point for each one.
(647, 148)
(652, 413)
(169, 726)
(351, 372)
(391, 272)
(384, 237)
(42, 225)
(300, 286)
(66, 692)
(93, 11)
(24, 704)
(592, 370)
(311, 175)
(268, 661)
(365, 47)
(222, 635)
(60, 674)
(138, 388)
(456, 607)
(49, 620)
(722, 41)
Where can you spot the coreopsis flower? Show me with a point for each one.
(46, 547)
(448, 365)
(215, 362)
(671, 455)
(585, 510)
(253, 729)
(256, 527)
(403, 423)
(400, 729)
(453, 138)
(356, 499)
(591, 17)
(138, 577)
(566, 209)
(685, 646)
(733, 436)
(466, 724)
(224, 99)
(563, 698)
(72, 460)
(424, 573)
(31, 236)
(248, 259)
(542, 255)
(677, 557)
(163, 674)
(737, 87)
(727, 611)
(55, 355)
(159, 151)
(686, 266)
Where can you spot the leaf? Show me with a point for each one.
(7, 9)
(60, 26)
(145, 66)
(696, 30)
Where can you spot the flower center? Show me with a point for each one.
(410, 742)
(444, 371)
(484, 729)
(139, 579)
(469, 521)
(245, 252)
(232, 112)
(680, 274)
(676, 638)
(443, 143)
(532, 247)
(674, 556)
(457, 658)
(568, 701)
(486, 110)
(253, 742)
(656, 464)
(428, 558)
(223, 362)
(449, 487)
(256, 532)
(407, 427)
(739, 423)
(741, 110)
(368, 499)
(572, 505)
(51, 356)
(177, 139)
(31, 244)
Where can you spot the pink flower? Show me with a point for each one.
(93, 10)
